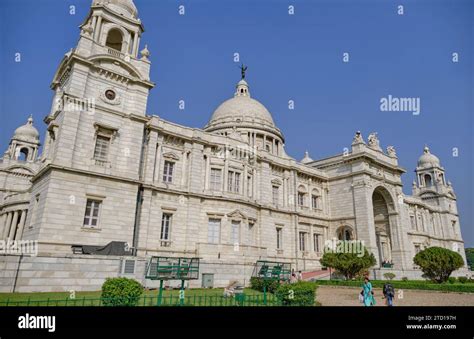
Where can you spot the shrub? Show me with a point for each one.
(302, 293)
(389, 276)
(257, 284)
(451, 280)
(462, 280)
(121, 292)
(438, 263)
(404, 279)
(349, 264)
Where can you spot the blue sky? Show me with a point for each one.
(296, 57)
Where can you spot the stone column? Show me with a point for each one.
(364, 214)
(11, 233)
(7, 225)
(135, 44)
(157, 173)
(94, 22)
(21, 226)
(183, 168)
(97, 30)
(2, 222)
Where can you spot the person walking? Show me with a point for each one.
(368, 293)
(388, 293)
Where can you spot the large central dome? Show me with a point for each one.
(242, 113)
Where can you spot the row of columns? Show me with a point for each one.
(13, 224)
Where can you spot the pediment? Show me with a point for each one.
(237, 214)
(116, 65)
(171, 155)
(20, 170)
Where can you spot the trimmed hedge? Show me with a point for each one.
(121, 292)
(466, 287)
(257, 284)
(302, 293)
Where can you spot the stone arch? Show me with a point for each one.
(114, 39)
(124, 36)
(23, 153)
(383, 205)
(345, 232)
(428, 180)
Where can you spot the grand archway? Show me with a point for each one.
(382, 203)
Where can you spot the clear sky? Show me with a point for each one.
(290, 57)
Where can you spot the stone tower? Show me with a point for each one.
(432, 187)
(95, 136)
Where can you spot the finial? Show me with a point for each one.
(243, 69)
(426, 149)
(30, 119)
(145, 52)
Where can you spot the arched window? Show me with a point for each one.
(428, 181)
(23, 155)
(344, 233)
(114, 39)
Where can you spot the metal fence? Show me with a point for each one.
(147, 300)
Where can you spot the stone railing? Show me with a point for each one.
(115, 53)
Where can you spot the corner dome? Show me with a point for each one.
(242, 111)
(125, 7)
(27, 132)
(428, 160)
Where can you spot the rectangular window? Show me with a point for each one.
(250, 234)
(413, 222)
(235, 232)
(315, 202)
(317, 242)
(91, 217)
(301, 199)
(302, 238)
(165, 226)
(230, 181)
(237, 183)
(101, 150)
(216, 175)
(214, 231)
(168, 171)
(275, 195)
(279, 236)
(249, 186)
(417, 248)
(233, 182)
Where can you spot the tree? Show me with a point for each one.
(349, 264)
(438, 263)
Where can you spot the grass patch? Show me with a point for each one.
(467, 287)
(192, 297)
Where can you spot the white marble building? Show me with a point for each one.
(228, 193)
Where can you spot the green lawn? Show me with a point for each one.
(198, 297)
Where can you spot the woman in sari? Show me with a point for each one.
(367, 292)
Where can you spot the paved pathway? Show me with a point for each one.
(348, 296)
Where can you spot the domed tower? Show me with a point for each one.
(24, 144)
(246, 118)
(429, 173)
